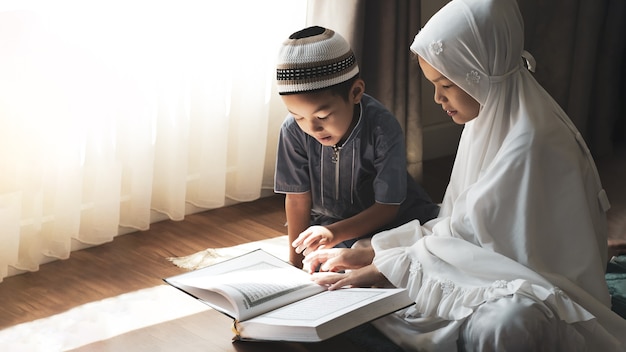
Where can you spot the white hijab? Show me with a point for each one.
(524, 210)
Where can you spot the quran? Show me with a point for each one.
(269, 299)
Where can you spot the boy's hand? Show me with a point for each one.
(367, 276)
(313, 238)
(338, 259)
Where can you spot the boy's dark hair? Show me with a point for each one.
(342, 89)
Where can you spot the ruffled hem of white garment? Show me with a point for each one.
(445, 284)
(451, 301)
(447, 292)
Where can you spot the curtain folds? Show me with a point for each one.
(112, 113)
(391, 71)
(580, 50)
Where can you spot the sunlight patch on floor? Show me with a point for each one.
(96, 321)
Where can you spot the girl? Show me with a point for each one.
(516, 258)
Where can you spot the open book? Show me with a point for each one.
(270, 299)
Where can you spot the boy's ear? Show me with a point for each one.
(358, 88)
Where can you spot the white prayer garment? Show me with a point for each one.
(522, 224)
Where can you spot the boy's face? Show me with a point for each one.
(324, 116)
(459, 105)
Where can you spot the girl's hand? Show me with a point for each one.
(338, 259)
(367, 276)
(313, 238)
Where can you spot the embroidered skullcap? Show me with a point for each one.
(312, 59)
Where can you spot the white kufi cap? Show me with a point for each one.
(312, 59)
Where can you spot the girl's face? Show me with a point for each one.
(459, 105)
(326, 117)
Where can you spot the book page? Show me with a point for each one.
(326, 305)
(249, 285)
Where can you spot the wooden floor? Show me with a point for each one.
(134, 261)
(138, 260)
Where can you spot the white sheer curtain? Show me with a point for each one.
(112, 112)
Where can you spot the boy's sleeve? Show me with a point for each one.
(292, 162)
(390, 184)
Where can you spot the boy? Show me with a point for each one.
(341, 157)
